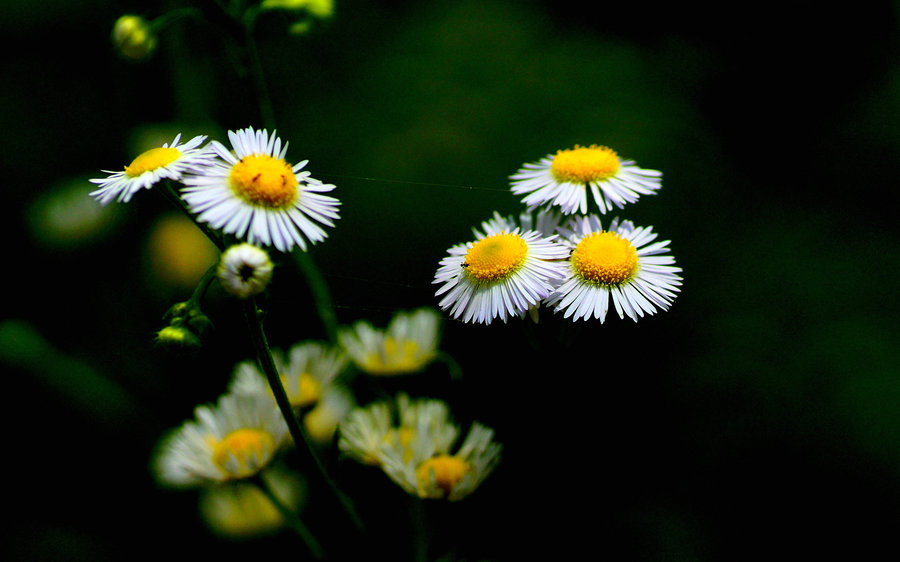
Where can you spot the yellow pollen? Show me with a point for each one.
(495, 257)
(262, 180)
(446, 470)
(604, 258)
(243, 452)
(396, 357)
(585, 164)
(151, 160)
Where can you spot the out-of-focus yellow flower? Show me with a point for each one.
(179, 252)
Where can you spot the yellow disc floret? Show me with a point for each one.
(151, 160)
(496, 257)
(243, 452)
(446, 470)
(262, 180)
(604, 258)
(585, 164)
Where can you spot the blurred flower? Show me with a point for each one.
(64, 217)
(562, 180)
(234, 439)
(168, 162)
(617, 263)
(240, 509)
(502, 274)
(323, 419)
(133, 37)
(179, 253)
(245, 270)
(406, 346)
(415, 453)
(310, 369)
(255, 193)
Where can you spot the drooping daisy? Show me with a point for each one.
(164, 162)
(562, 180)
(502, 274)
(244, 270)
(425, 466)
(309, 369)
(256, 194)
(232, 440)
(406, 346)
(621, 263)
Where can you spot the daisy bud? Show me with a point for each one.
(245, 270)
(177, 337)
(133, 37)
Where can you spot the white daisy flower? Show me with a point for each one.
(245, 270)
(232, 440)
(307, 372)
(562, 180)
(164, 162)
(502, 274)
(621, 262)
(255, 194)
(406, 346)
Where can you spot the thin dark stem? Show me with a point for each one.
(264, 356)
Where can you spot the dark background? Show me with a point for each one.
(759, 416)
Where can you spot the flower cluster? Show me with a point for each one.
(558, 255)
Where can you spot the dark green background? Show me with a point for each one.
(759, 416)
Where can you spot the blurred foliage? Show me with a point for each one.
(761, 412)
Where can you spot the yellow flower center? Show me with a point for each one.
(446, 470)
(604, 258)
(495, 257)
(151, 160)
(262, 180)
(243, 452)
(307, 391)
(585, 164)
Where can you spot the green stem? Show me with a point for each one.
(291, 518)
(298, 433)
(321, 294)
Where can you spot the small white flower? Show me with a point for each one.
(406, 346)
(232, 440)
(255, 194)
(245, 270)
(502, 274)
(165, 162)
(618, 263)
(562, 180)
